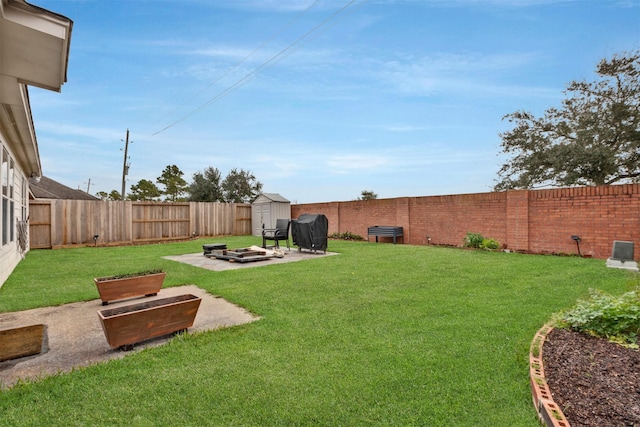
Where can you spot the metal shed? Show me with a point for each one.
(266, 209)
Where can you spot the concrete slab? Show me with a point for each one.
(74, 335)
(626, 265)
(199, 260)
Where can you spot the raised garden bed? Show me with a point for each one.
(129, 286)
(385, 231)
(21, 342)
(130, 324)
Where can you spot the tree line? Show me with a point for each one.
(239, 186)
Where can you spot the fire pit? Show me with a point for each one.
(254, 253)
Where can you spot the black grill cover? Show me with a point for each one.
(310, 231)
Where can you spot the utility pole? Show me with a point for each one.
(88, 185)
(125, 166)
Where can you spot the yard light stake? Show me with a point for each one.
(577, 240)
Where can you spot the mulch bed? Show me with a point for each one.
(595, 382)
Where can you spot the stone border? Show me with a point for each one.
(549, 412)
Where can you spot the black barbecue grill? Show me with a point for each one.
(310, 231)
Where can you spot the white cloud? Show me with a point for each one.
(403, 128)
(70, 130)
(347, 163)
(466, 74)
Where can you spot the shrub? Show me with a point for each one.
(616, 318)
(473, 240)
(490, 244)
(347, 235)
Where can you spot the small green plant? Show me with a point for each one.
(535, 347)
(478, 241)
(129, 275)
(473, 240)
(616, 318)
(490, 244)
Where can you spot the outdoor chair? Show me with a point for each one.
(281, 232)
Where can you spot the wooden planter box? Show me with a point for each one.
(128, 287)
(127, 325)
(21, 342)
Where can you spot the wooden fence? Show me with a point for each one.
(61, 223)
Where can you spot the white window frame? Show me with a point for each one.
(8, 198)
(4, 196)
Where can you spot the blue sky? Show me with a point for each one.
(320, 100)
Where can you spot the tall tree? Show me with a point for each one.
(113, 195)
(240, 186)
(144, 190)
(368, 195)
(174, 185)
(593, 139)
(102, 195)
(206, 186)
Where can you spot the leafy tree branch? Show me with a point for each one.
(592, 139)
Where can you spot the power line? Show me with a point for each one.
(243, 60)
(274, 59)
(319, 32)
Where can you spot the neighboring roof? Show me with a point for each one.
(47, 188)
(271, 197)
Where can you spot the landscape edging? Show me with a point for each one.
(549, 412)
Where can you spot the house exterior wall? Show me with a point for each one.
(535, 221)
(14, 207)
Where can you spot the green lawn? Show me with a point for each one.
(381, 334)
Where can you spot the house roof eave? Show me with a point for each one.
(36, 44)
(16, 123)
(35, 51)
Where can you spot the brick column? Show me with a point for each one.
(403, 219)
(518, 220)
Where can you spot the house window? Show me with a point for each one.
(7, 174)
(12, 215)
(4, 179)
(25, 200)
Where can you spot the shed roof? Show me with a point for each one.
(270, 197)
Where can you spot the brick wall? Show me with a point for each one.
(538, 221)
